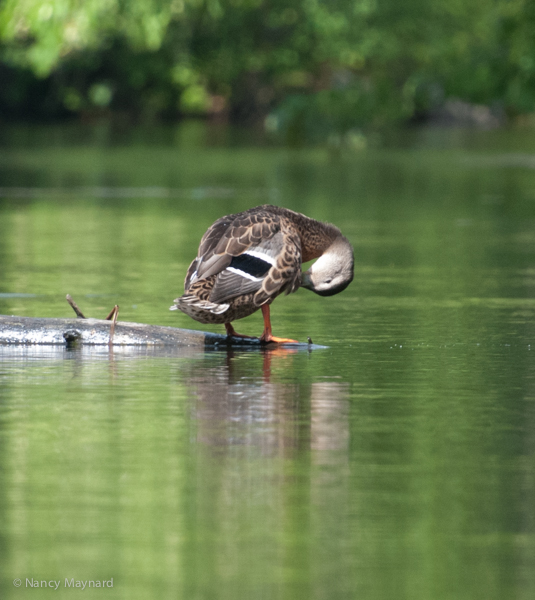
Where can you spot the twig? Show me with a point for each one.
(113, 318)
(78, 312)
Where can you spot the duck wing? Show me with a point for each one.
(209, 261)
(248, 253)
(247, 271)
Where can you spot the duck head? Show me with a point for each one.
(333, 271)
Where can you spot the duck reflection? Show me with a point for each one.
(247, 399)
(270, 447)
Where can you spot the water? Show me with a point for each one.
(398, 463)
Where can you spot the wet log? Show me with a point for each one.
(97, 332)
(28, 330)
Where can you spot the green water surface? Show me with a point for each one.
(399, 463)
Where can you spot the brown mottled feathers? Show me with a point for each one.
(271, 242)
(233, 235)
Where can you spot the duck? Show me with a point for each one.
(246, 260)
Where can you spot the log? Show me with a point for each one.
(96, 332)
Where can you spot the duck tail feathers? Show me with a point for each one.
(185, 302)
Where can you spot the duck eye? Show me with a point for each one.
(328, 280)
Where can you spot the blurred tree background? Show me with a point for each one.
(327, 66)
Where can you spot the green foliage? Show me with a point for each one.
(326, 64)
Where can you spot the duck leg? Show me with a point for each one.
(231, 332)
(267, 336)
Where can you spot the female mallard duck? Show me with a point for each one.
(246, 260)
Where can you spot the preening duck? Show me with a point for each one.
(246, 260)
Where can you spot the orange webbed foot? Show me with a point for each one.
(271, 339)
